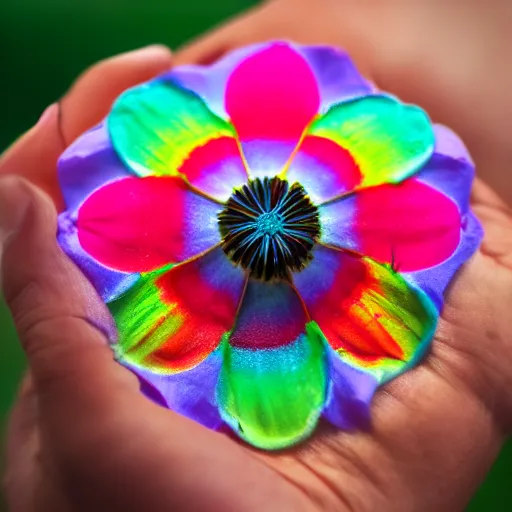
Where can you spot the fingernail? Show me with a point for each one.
(48, 114)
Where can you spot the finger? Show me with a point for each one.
(205, 50)
(34, 156)
(62, 324)
(23, 446)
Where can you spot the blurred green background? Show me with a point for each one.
(45, 44)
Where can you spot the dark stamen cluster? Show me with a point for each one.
(269, 228)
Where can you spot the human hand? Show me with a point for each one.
(82, 437)
(436, 429)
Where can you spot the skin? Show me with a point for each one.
(83, 438)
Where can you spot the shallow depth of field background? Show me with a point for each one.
(45, 44)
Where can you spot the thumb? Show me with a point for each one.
(62, 324)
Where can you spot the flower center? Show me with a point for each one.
(269, 227)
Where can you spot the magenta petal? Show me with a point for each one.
(142, 224)
(272, 95)
(89, 163)
(335, 79)
(411, 225)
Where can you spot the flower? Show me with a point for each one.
(272, 234)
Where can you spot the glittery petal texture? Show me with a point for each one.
(142, 224)
(388, 140)
(172, 320)
(367, 312)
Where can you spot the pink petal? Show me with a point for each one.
(272, 95)
(142, 224)
(410, 225)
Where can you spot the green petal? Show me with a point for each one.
(154, 127)
(273, 397)
(388, 140)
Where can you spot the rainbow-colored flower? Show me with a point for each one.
(272, 234)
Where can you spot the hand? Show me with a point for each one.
(94, 443)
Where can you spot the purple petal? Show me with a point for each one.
(434, 281)
(190, 393)
(337, 77)
(348, 403)
(109, 283)
(89, 163)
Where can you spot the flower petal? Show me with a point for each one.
(350, 394)
(450, 169)
(388, 140)
(434, 281)
(410, 225)
(155, 127)
(190, 393)
(216, 168)
(323, 168)
(271, 97)
(367, 312)
(271, 315)
(209, 81)
(142, 224)
(337, 77)
(273, 397)
(109, 283)
(172, 320)
(451, 172)
(86, 165)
